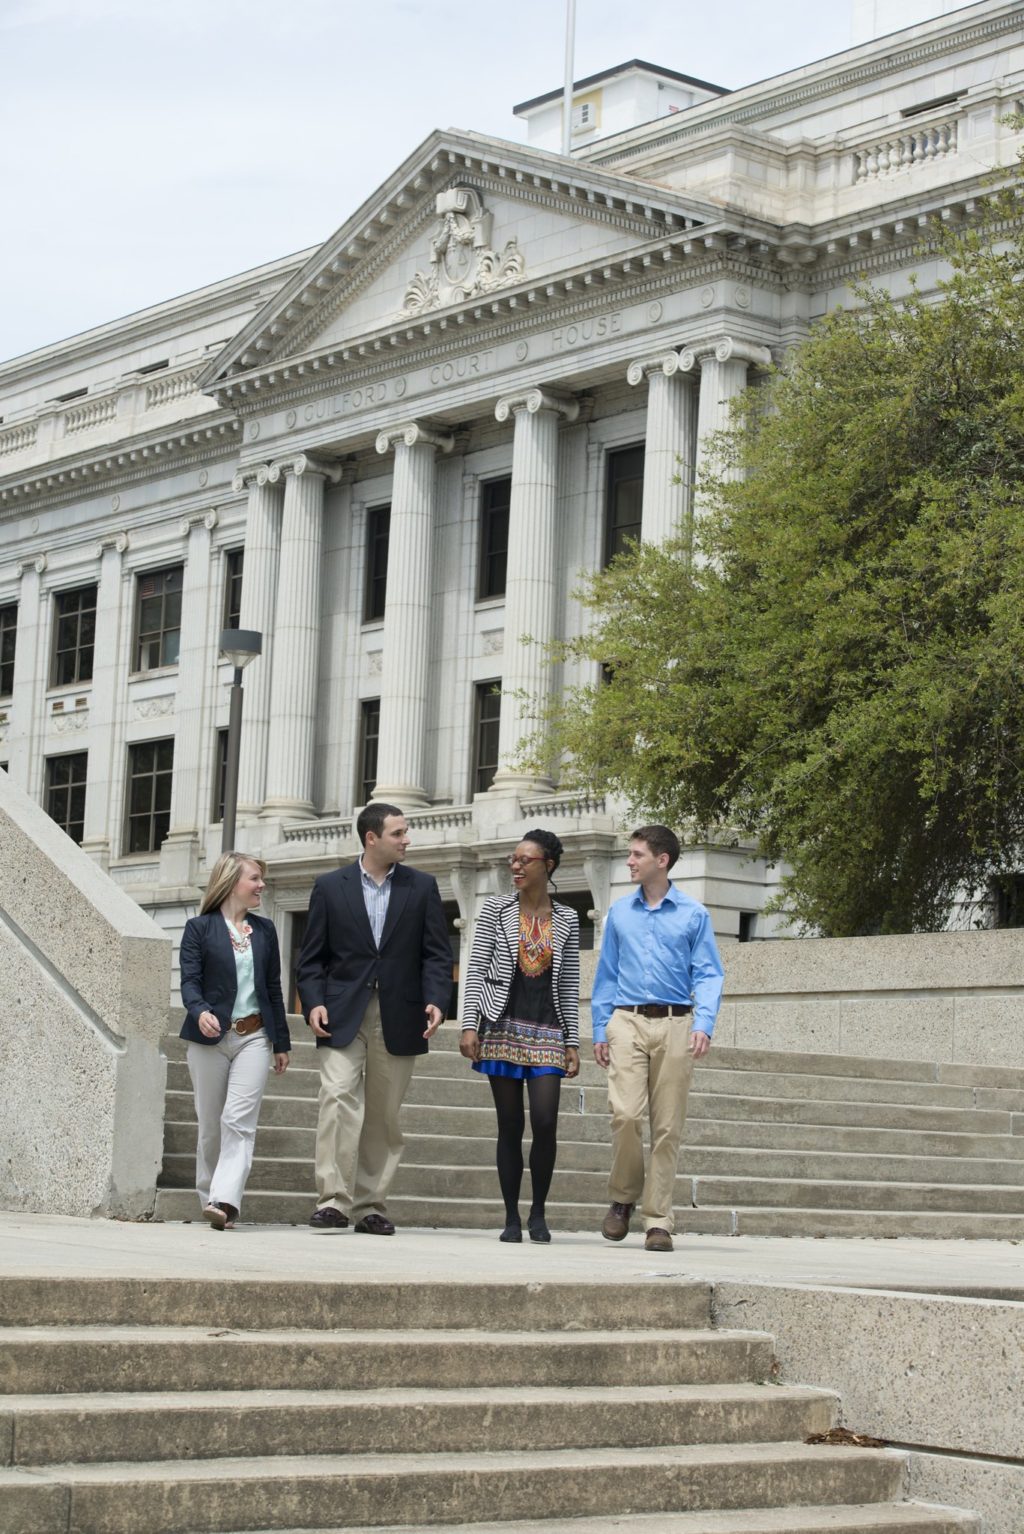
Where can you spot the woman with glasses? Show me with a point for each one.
(521, 1019)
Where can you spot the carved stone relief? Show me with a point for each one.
(462, 262)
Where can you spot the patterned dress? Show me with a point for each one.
(527, 1040)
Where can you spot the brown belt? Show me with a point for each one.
(657, 1009)
(248, 1024)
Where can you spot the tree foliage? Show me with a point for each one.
(839, 668)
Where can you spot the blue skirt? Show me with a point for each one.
(517, 1072)
(521, 1048)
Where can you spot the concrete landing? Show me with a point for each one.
(60, 1247)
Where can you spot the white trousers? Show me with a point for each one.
(359, 1134)
(228, 1079)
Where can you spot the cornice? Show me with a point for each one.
(125, 464)
(879, 66)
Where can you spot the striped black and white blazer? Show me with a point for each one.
(492, 964)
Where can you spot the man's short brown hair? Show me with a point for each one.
(659, 839)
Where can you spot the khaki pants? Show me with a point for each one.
(358, 1134)
(649, 1072)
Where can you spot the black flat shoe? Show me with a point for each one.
(538, 1229)
(511, 1233)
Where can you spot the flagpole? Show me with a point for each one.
(570, 49)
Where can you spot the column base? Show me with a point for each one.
(404, 795)
(179, 857)
(522, 784)
(98, 848)
(288, 809)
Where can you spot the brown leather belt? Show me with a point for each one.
(657, 1009)
(248, 1024)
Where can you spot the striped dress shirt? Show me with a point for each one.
(376, 897)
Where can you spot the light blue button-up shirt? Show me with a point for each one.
(664, 954)
(376, 897)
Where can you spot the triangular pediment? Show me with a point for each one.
(463, 222)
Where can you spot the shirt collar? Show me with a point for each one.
(369, 879)
(671, 897)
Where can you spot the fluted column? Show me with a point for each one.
(110, 662)
(27, 698)
(531, 586)
(294, 678)
(668, 451)
(259, 604)
(723, 375)
(200, 623)
(401, 751)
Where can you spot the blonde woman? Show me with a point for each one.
(235, 1025)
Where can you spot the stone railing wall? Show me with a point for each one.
(951, 997)
(904, 151)
(85, 981)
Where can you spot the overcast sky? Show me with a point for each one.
(150, 146)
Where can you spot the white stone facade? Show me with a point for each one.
(493, 313)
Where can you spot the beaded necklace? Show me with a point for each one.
(534, 943)
(240, 937)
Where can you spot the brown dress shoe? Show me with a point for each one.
(615, 1226)
(657, 1240)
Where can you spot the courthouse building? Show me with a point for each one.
(393, 454)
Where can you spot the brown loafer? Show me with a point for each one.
(216, 1216)
(374, 1225)
(657, 1240)
(615, 1226)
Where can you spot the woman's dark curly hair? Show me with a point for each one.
(548, 843)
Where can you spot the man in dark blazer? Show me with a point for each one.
(375, 979)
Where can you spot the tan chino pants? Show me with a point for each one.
(649, 1073)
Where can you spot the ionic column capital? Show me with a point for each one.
(533, 400)
(729, 350)
(250, 475)
(118, 542)
(658, 362)
(37, 563)
(413, 434)
(207, 519)
(724, 349)
(303, 464)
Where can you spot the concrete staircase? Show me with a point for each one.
(180, 1406)
(776, 1145)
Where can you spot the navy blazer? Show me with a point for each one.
(209, 979)
(340, 965)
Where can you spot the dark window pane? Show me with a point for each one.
(158, 619)
(378, 527)
(220, 775)
(487, 720)
(74, 632)
(65, 792)
(8, 639)
(494, 513)
(150, 775)
(234, 561)
(369, 735)
(623, 499)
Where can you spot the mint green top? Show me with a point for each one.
(246, 1002)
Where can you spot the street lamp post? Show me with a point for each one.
(239, 646)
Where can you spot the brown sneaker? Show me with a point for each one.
(657, 1240)
(615, 1226)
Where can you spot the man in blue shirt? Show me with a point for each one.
(656, 996)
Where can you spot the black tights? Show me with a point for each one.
(543, 1093)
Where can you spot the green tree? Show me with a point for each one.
(839, 671)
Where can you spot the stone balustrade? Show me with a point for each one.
(905, 151)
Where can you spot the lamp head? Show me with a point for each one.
(240, 646)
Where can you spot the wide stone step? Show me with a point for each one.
(467, 1088)
(333, 1491)
(564, 1219)
(210, 1425)
(955, 1184)
(298, 1112)
(252, 1304)
(41, 1360)
(701, 1134)
(821, 1194)
(879, 1518)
